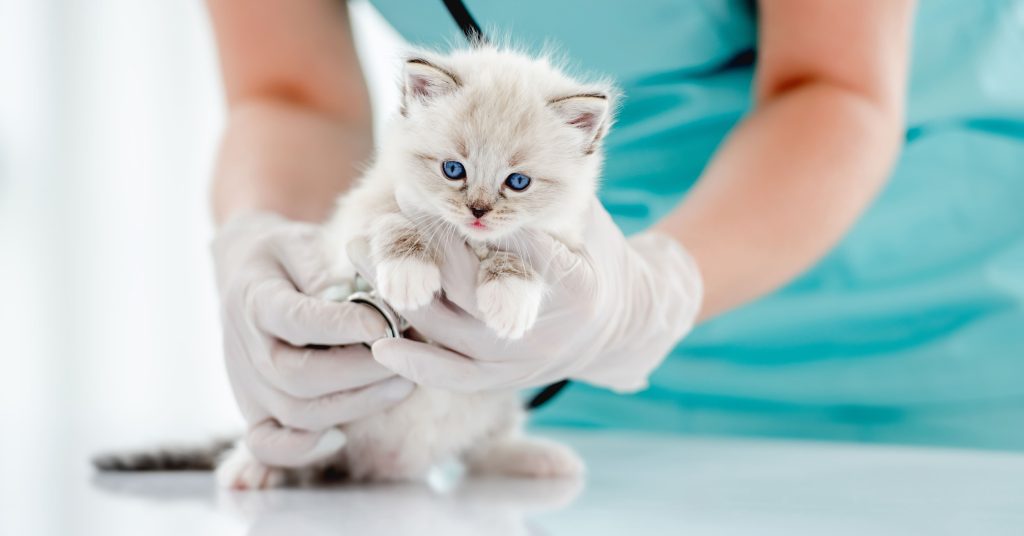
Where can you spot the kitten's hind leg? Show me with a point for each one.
(524, 456)
(407, 264)
(239, 470)
(509, 294)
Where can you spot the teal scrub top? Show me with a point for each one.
(912, 329)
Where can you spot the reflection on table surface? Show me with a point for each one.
(636, 483)
(476, 506)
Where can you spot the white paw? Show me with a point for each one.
(240, 471)
(547, 460)
(530, 457)
(408, 283)
(510, 305)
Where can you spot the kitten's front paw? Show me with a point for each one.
(241, 471)
(408, 283)
(510, 305)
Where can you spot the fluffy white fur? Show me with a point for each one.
(496, 111)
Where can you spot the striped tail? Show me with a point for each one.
(172, 458)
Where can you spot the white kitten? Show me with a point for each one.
(489, 143)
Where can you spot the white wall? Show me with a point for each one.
(110, 111)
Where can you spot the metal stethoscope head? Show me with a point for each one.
(396, 325)
(359, 291)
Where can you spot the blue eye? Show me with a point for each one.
(453, 170)
(517, 181)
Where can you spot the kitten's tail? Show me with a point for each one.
(173, 458)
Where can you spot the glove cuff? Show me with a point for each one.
(667, 292)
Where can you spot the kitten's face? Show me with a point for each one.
(493, 142)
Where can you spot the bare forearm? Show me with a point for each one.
(286, 158)
(299, 122)
(783, 189)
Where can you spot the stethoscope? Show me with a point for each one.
(360, 292)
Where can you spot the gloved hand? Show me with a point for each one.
(292, 396)
(613, 311)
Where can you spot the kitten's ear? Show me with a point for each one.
(425, 81)
(589, 112)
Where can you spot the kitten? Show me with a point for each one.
(489, 143)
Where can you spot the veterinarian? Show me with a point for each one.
(840, 288)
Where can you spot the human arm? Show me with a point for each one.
(796, 173)
(298, 128)
(299, 119)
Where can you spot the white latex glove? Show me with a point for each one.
(293, 396)
(613, 311)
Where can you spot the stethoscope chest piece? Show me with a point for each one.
(396, 325)
(359, 291)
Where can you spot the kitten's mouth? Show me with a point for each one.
(477, 229)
